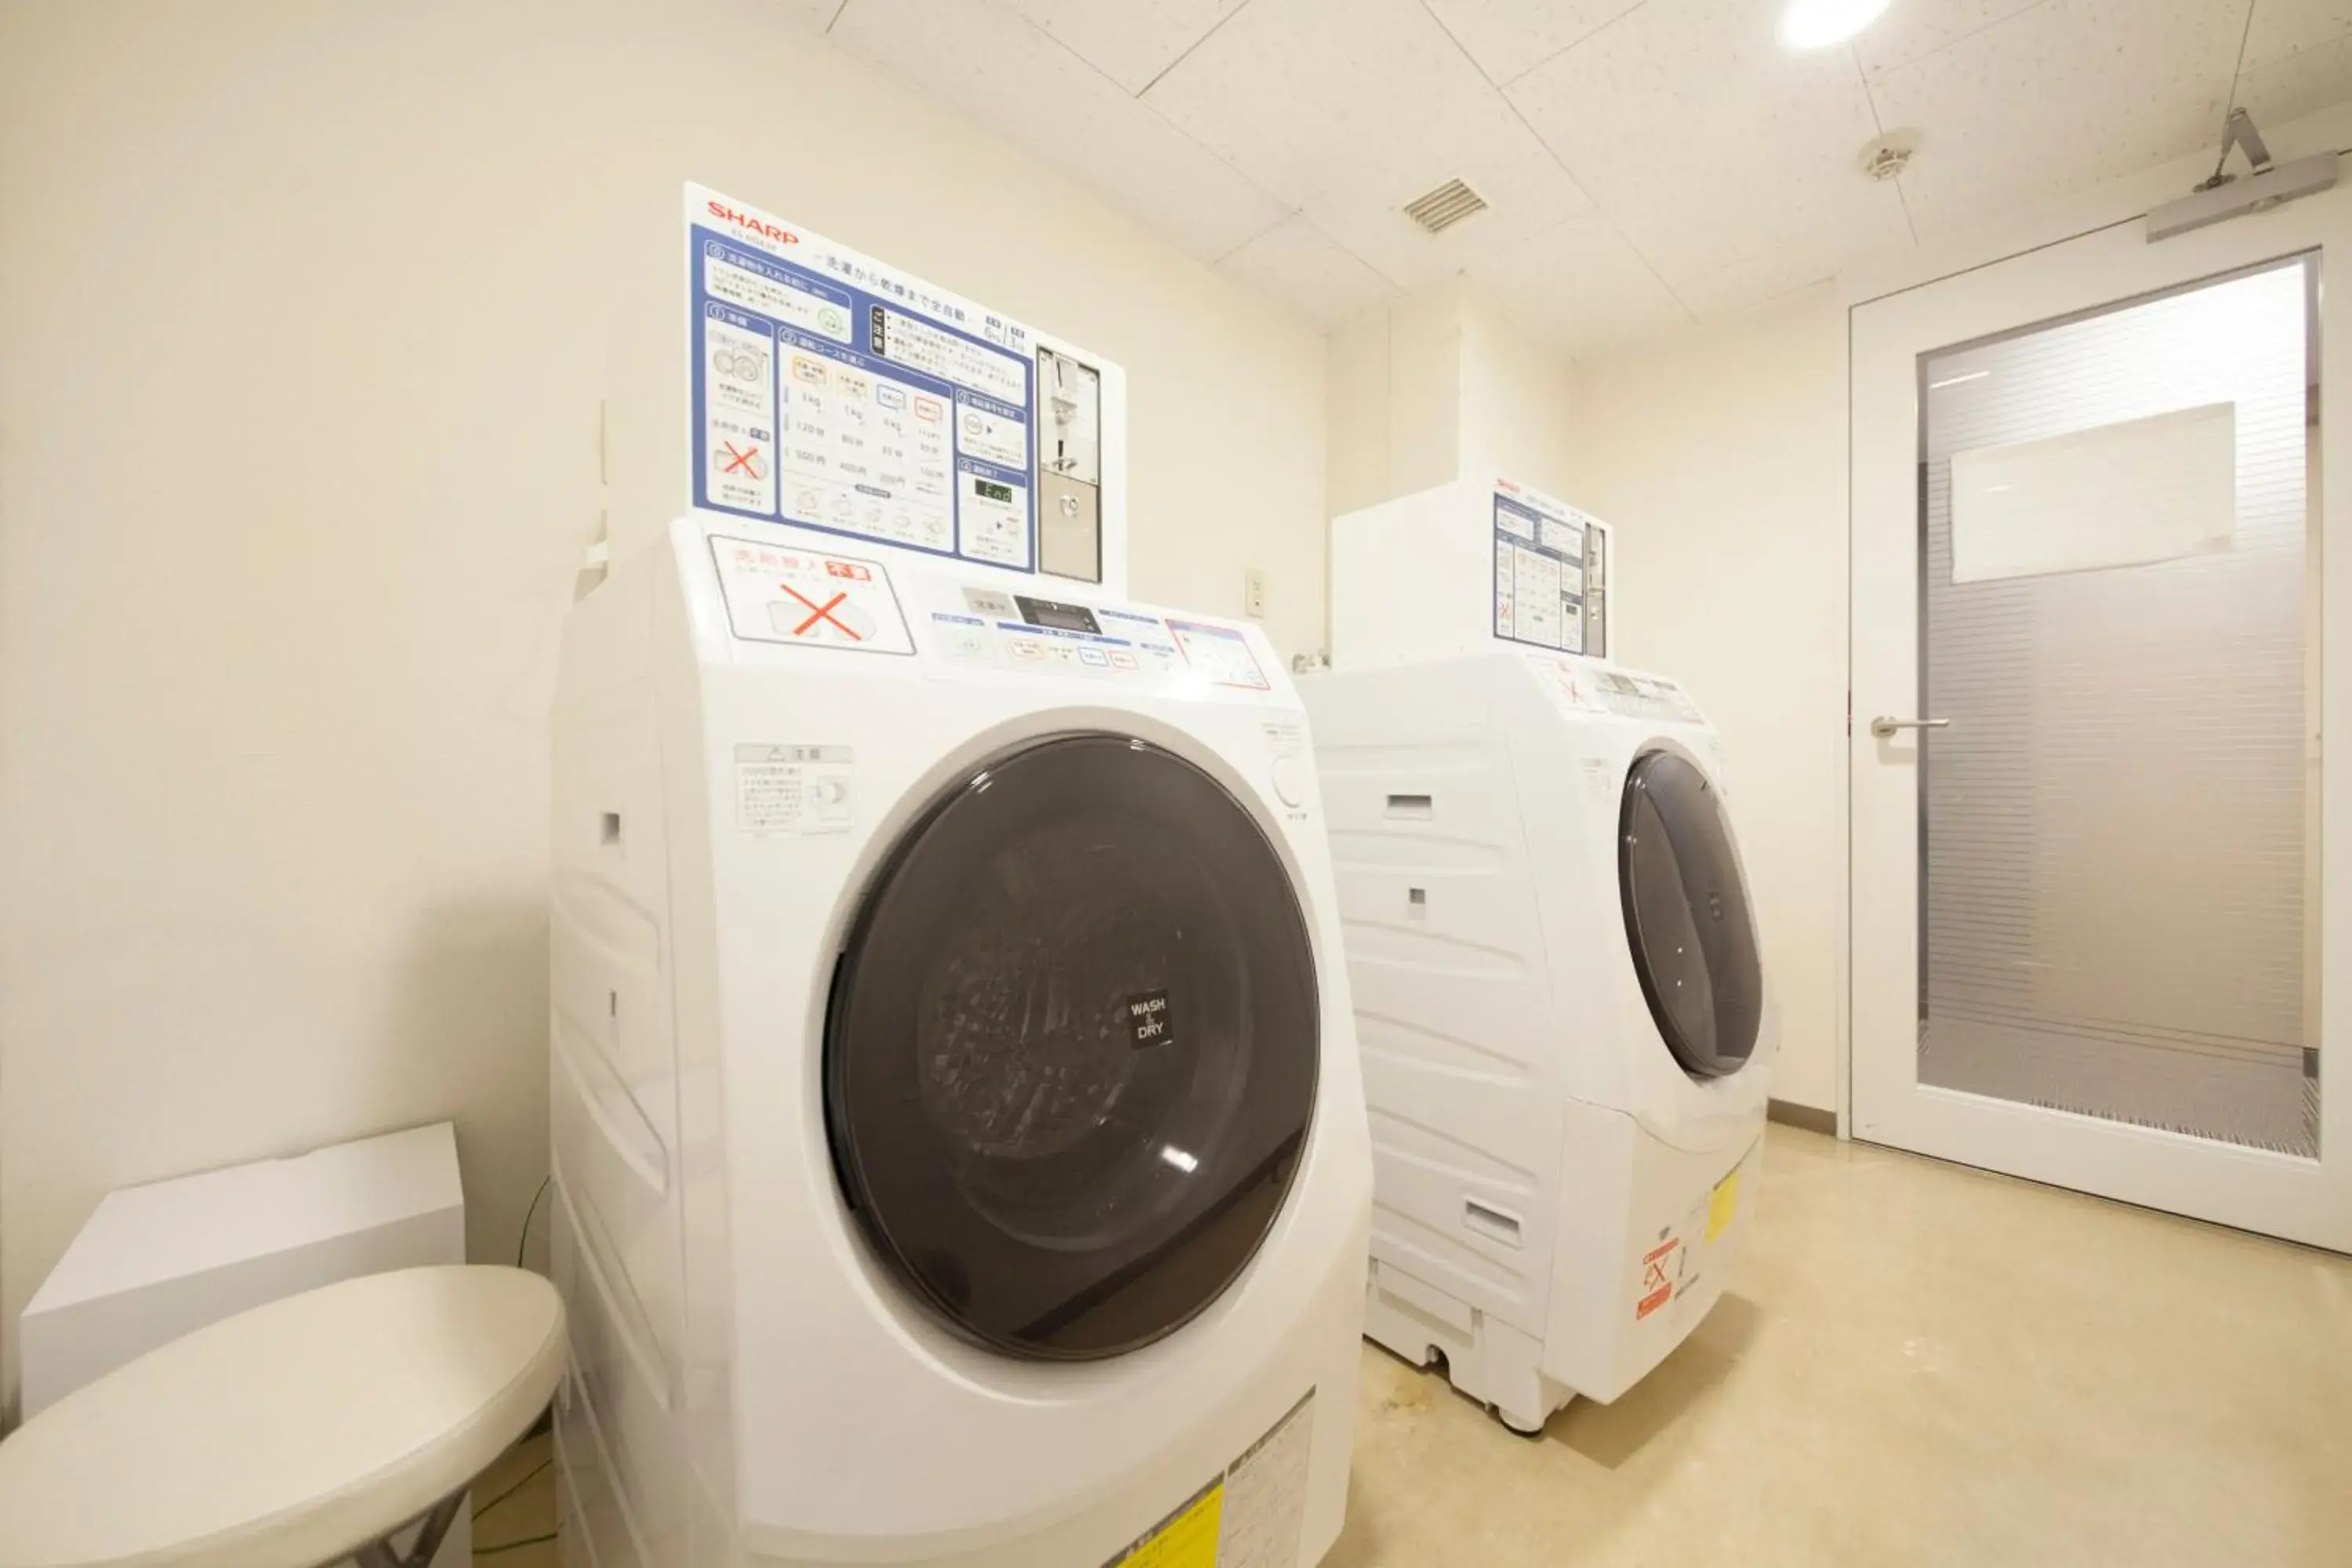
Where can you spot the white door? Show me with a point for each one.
(2100, 873)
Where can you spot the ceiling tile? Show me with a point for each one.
(1792, 265)
(992, 64)
(1706, 141)
(1511, 37)
(2298, 84)
(1349, 109)
(2057, 99)
(1581, 287)
(1913, 29)
(1130, 41)
(2285, 28)
(1306, 269)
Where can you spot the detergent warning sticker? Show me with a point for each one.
(1250, 1516)
(805, 598)
(836, 392)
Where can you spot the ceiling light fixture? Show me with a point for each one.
(1818, 24)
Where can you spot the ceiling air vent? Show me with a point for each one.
(1443, 207)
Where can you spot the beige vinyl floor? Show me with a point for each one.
(1914, 1365)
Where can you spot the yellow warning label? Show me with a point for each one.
(1250, 1516)
(1724, 1204)
(1187, 1539)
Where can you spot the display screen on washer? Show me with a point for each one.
(1062, 617)
(1686, 916)
(1071, 1052)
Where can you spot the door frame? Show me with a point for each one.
(1882, 1101)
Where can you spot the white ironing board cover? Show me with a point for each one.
(290, 1436)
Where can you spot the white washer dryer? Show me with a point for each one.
(1564, 1020)
(957, 1123)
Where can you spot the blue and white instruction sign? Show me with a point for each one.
(838, 393)
(1547, 573)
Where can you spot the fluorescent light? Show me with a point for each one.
(1818, 24)
(1957, 380)
(1177, 1157)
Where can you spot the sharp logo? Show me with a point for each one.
(758, 225)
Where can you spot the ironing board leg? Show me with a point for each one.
(428, 1539)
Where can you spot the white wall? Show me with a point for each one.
(1720, 455)
(1520, 405)
(1394, 379)
(1439, 385)
(302, 337)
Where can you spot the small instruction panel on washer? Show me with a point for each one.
(838, 393)
(1221, 653)
(808, 598)
(1546, 563)
(1644, 696)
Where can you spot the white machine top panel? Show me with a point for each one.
(791, 589)
(1477, 563)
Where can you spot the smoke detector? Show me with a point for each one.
(1889, 155)
(1442, 208)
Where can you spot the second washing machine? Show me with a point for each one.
(1565, 1021)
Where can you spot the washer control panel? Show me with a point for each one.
(970, 627)
(793, 589)
(1588, 687)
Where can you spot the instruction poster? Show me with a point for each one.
(1542, 551)
(838, 393)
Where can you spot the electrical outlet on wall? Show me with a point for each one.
(1254, 594)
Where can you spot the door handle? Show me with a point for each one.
(1883, 726)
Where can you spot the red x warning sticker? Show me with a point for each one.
(739, 461)
(836, 620)
(808, 598)
(1660, 1265)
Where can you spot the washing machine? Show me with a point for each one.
(1565, 1024)
(959, 1140)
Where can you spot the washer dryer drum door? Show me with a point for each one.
(1686, 916)
(1071, 1052)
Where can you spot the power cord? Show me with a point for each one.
(523, 1241)
(533, 1474)
(522, 1246)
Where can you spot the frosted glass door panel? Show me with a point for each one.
(2118, 827)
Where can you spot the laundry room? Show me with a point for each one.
(1183, 784)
